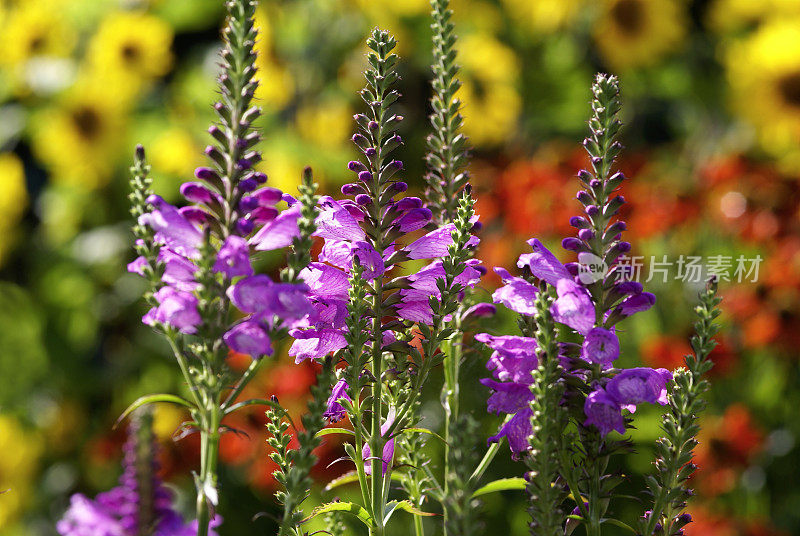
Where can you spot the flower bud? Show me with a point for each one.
(365, 176)
(355, 165)
(585, 234)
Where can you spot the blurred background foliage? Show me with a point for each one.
(712, 106)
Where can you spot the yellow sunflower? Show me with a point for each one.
(544, 16)
(13, 200)
(764, 76)
(727, 15)
(276, 87)
(327, 123)
(491, 101)
(34, 29)
(18, 465)
(129, 50)
(79, 139)
(637, 33)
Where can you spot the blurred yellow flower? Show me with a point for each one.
(18, 465)
(727, 15)
(543, 16)
(175, 151)
(80, 139)
(129, 50)
(34, 29)
(276, 87)
(283, 170)
(764, 77)
(491, 101)
(13, 200)
(401, 8)
(636, 33)
(325, 123)
(167, 418)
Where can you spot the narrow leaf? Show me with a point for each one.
(504, 484)
(152, 399)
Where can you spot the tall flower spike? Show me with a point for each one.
(230, 179)
(548, 422)
(448, 149)
(675, 448)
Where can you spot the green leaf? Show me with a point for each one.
(152, 399)
(352, 477)
(424, 431)
(347, 507)
(503, 484)
(254, 402)
(619, 524)
(405, 506)
(329, 431)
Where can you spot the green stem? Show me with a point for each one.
(376, 447)
(450, 395)
(209, 453)
(242, 383)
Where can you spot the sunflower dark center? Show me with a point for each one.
(130, 53)
(789, 87)
(36, 44)
(87, 121)
(629, 15)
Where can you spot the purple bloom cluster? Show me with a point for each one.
(117, 512)
(340, 224)
(178, 233)
(514, 358)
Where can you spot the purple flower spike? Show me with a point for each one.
(248, 203)
(206, 174)
(573, 307)
(247, 185)
(137, 266)
(267, 196)
(634, 386)
(396, 164)
(507, 397)
(363, 200)
(369, 259)
(245, 226)
(543, 264)
(175, 308)
(604, 412)
(336, 411)
(233, 259)
(365, 176)
(516, 294)
(571, 243)
(249, 337)
(517, 430)
(600, 346)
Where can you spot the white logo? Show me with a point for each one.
(591, 268)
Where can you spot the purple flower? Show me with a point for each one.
(315, 343)
(415, 305)
(233, 258)
(85, 518)
(636, 304)
(326, 281)
(518, 431)
(543, 264)
(176, 308)
(507, 397)
(369, 259)
(604, 412)
(260, 295)
(574, 306)
(249, 337)
(194, 192)
(278, 233)
(435, 243)
(600, 346)
(636, 385)
(338, 253)
(335, 222)
(336, 411)
(137, 266)
(171, 227)
(480, 310)
(513, 359)
(388, 447)
(414, 219)
(178, 270)
(516, 293)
